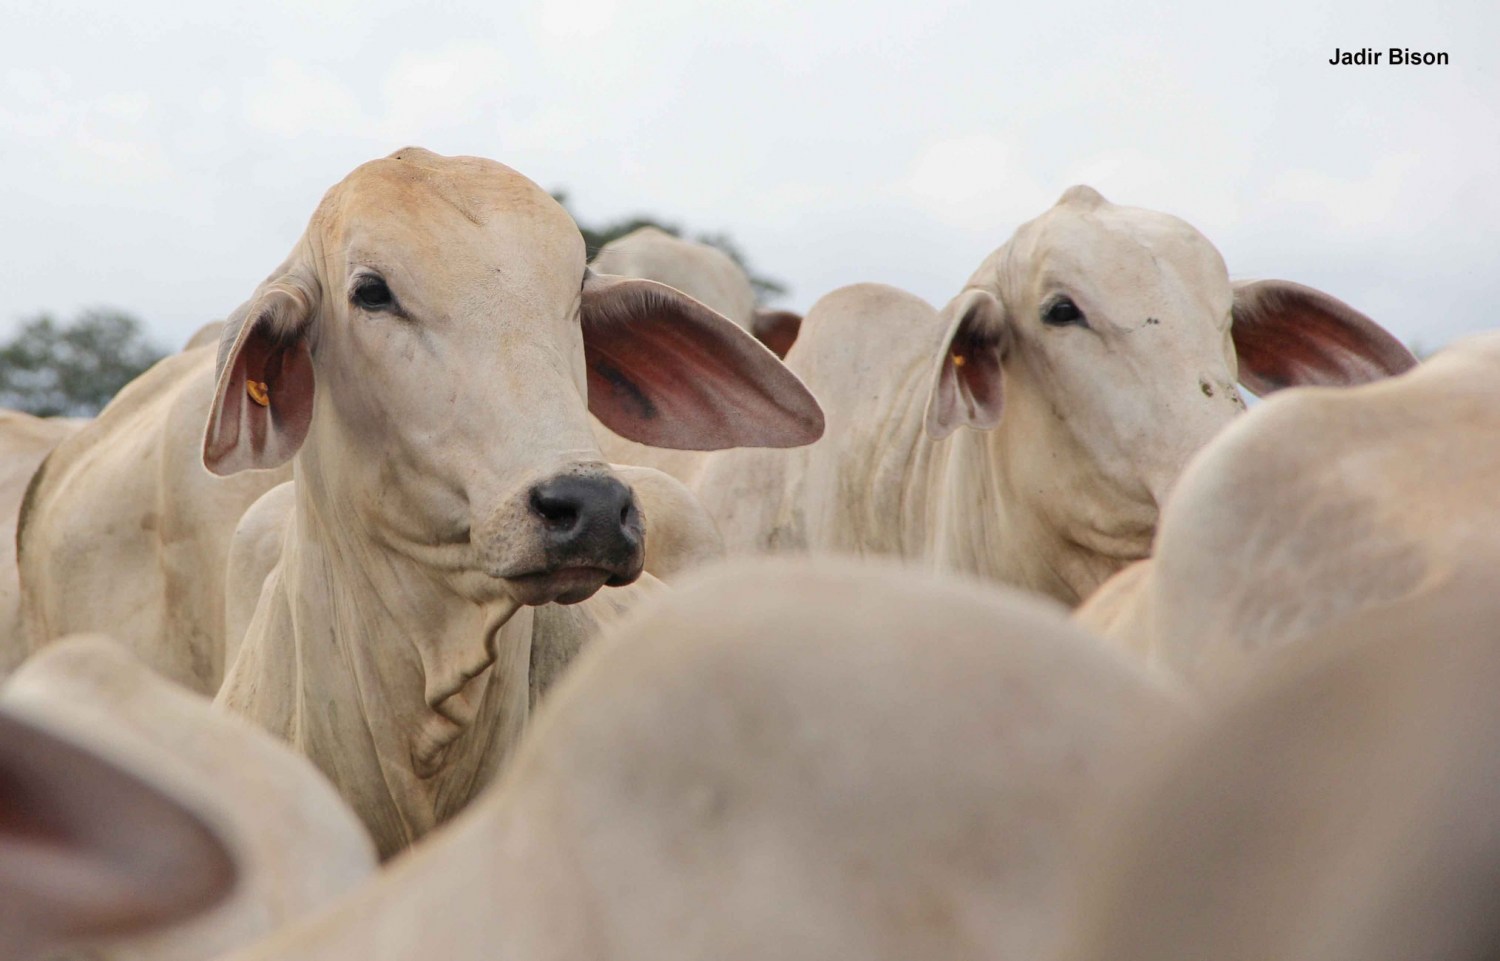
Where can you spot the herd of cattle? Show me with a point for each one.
(1061, 654)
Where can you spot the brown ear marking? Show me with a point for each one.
(777, 329)
(665, 370)
(263, 397)
(1289, 335)
(968, 387)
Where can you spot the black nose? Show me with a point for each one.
(587, 519)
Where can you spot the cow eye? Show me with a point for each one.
(1063, 313)
(371, 293)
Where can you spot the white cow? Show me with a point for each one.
(293, 842)
(423, 356)
(1318, 504)
(24, 442)
(1086, 361)
(877, 765)
(703, 272)
(1342, 808)
(123, 532)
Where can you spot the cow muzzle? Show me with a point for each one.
(576, 533)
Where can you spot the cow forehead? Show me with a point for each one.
(1107, 246)
(441, 207)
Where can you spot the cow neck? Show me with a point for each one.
(948, 498)
(1080, 526)
(965, 505)
(440, 683)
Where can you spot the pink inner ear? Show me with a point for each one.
(87, 849)
(969, 388)
(664, 370)
(1288, 335)
(777, 329)
(242, 434)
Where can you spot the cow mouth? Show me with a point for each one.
(565, 585)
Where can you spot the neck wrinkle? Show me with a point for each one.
(1068, 555)
(420, 662)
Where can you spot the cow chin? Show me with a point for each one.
(565, 585)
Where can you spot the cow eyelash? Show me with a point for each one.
(1062, 312)
(371, 293)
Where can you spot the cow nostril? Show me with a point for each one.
(555, 511)
(579, 511)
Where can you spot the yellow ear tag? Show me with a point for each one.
(259, 392)
(958, 360)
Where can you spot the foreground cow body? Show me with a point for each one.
(428, 371)
(877, 766)
(1340, 809)
(294, 844)
(24, 441)
(124, 533)
(1318, 504)
(1089, 358)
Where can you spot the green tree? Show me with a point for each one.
(51, 369)
(595, 237)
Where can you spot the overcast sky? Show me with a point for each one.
(163, 157)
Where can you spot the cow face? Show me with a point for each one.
(1111, 333)
(438, 340)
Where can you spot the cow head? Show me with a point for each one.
(1112, 338)
(430, 349)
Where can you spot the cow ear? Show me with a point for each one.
(1288, 335)
(967, 387)
(777, 329)
(87, 850)
(667, 371)
(263, 399)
